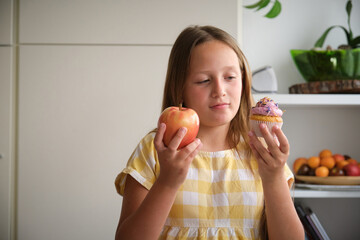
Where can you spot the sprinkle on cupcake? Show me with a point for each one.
(267, 107)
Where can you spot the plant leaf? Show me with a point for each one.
(348, 8)
(355, 42)
(348, 34)
(255, 5)
(348, 11)
(321, 40)
(275, 10)
(263, 4)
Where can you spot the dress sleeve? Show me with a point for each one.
(143, 165)
(289, 175)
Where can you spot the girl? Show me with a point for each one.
(225, 184)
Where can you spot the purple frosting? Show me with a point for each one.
(267, 107)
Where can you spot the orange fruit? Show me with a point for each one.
(328, 162)
(313, 162)
(342, 164)
(325, 153)
(322, 171)
(298, 163)
(352, 161)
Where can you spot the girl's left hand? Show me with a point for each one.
(271, 160)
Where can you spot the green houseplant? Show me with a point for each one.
(326, 65)
(352, 42)
(274, 11)
(322, 65)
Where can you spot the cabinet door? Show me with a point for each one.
(5, 141)
(82, 111)
(120, 22)
(6, 9)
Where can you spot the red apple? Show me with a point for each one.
(352, 170)
(338, 157)
(177, 117)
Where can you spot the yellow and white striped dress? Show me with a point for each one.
(221, 197)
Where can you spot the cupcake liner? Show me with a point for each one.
(254, 124)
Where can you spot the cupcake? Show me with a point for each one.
(265, 111)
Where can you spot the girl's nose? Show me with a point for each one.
(218, 89)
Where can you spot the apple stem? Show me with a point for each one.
(180, 106)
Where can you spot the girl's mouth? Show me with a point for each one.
(220, 106)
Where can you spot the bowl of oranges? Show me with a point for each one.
(327, 168)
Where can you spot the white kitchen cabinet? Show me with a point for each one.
(313, 122)
(90, 84)
(120, 22)
(6, 138)
(82, 111)
(6, 22)
(7, 126)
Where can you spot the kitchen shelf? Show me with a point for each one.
(313, 99)
(317, 100)
(303, 193)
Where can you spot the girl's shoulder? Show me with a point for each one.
(150, 136)
(147, 141)
(143, 164)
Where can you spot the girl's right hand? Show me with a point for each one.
(174, 163)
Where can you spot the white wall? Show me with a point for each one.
(300, 24)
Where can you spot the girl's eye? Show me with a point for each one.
(203, 81)
(230, 77)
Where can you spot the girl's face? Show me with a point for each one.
(213, 84)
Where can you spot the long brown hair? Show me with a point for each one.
(177, 71)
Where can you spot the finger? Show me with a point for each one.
(261, 151)
(253, 139)
(271, 141)
(190, 148)
(175, 142)
(259, 147)
(158, 140)
(283, 141)
(268, 137)
(193, 153)
(256, 154)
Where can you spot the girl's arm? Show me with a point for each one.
(144, 212)
(281, 217)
